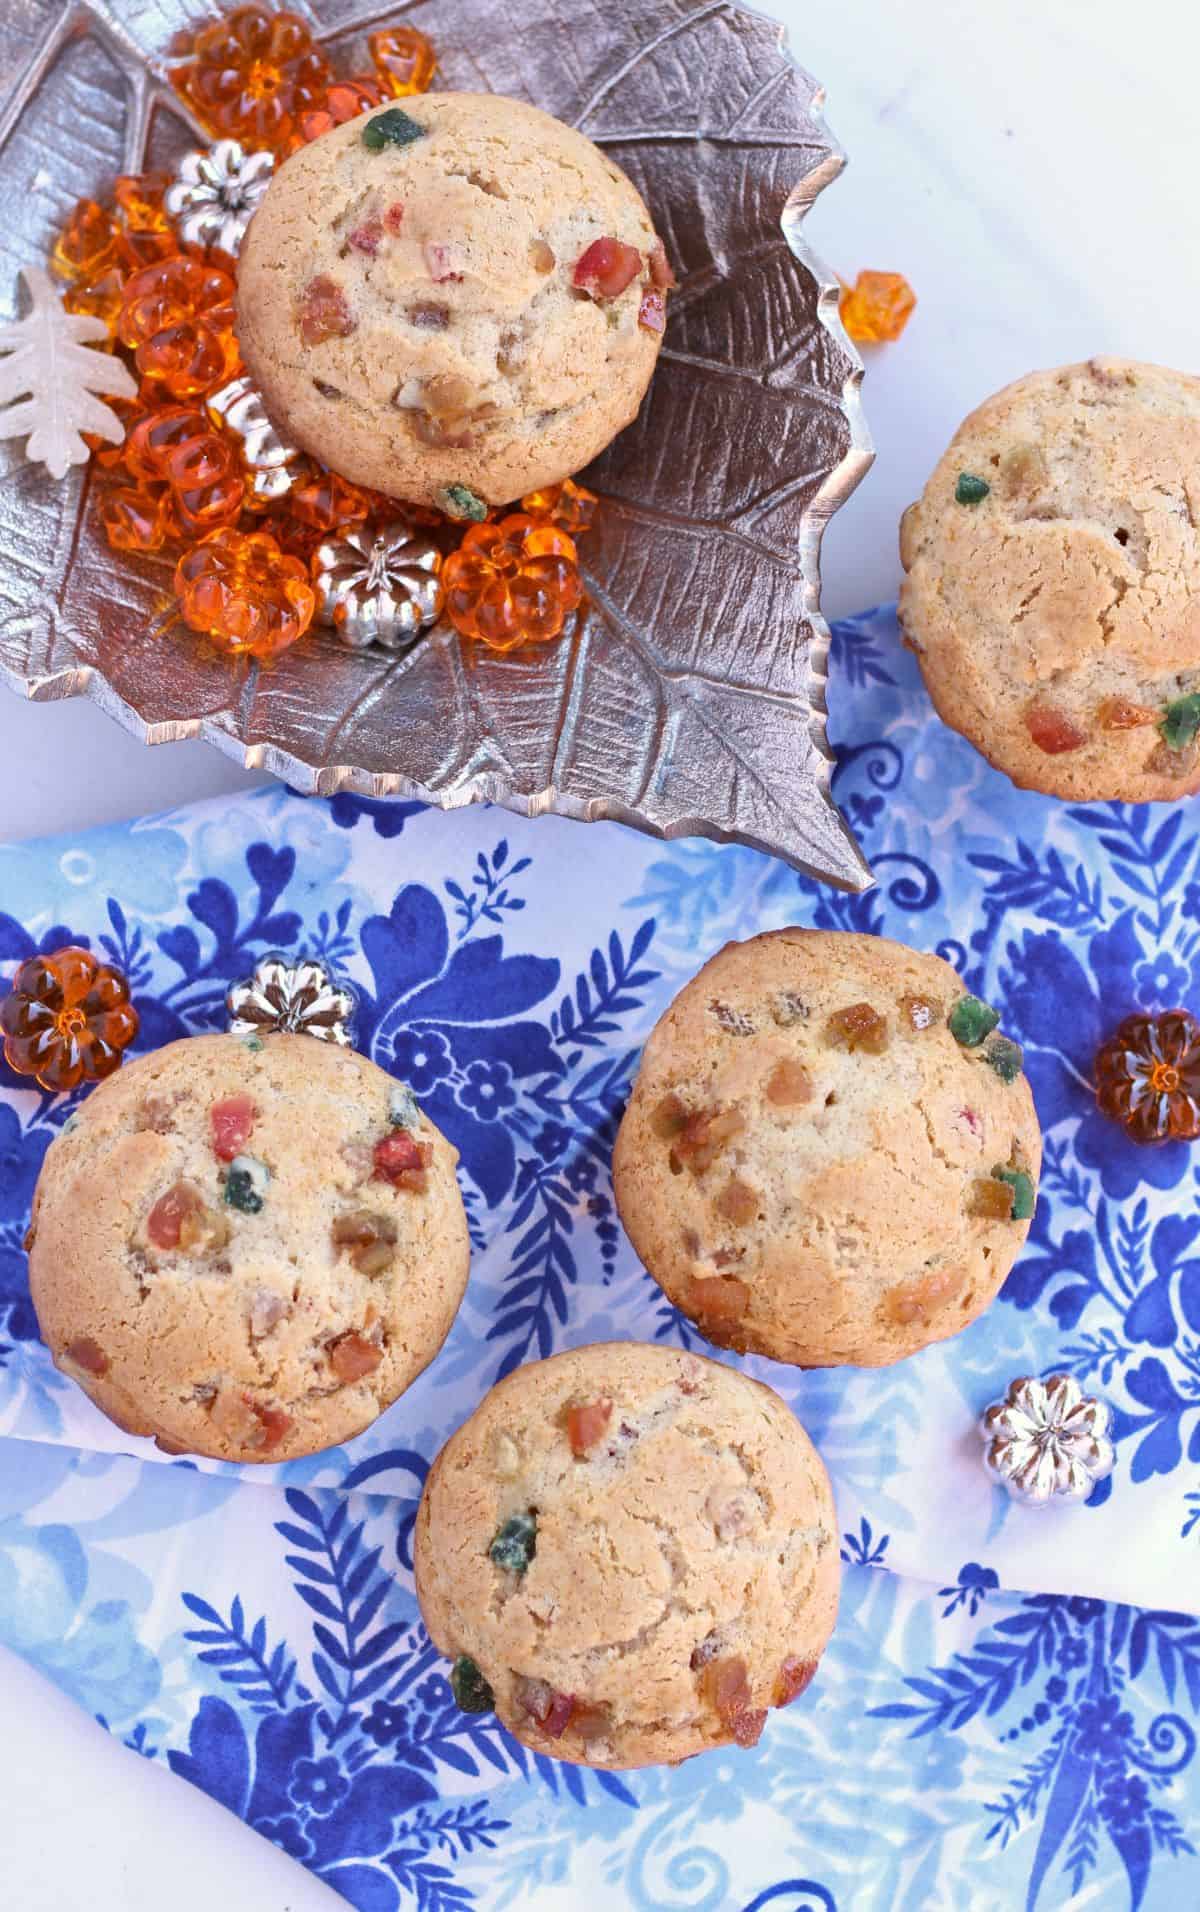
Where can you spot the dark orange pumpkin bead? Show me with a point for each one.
(404, 60)
(243, 592)
(512, 583)
(251, 76)
(67, 1019)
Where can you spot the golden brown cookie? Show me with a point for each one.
(1053, 587)
(247, 1249)
(830, 1154)
(630, 1553)
(410, 310)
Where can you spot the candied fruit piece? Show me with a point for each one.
(1024, 1194)
(542, 259)
(970, 489)
(568, 505)
(512, 583)
(266, 1311)
(393, 128)
(652, 312)
(789, 1084)
(87, 1354)
(1181, 722)
(514, 1542)
(67, 1019)
(737, 1202)
(537, 1698)
(352, 1357)
(725, 1687)
(273, 1424)
(661, 274)
(242, 591)
(1005, 1057)
(403, 58)
(182, 1219)
(137, 517)
(1120, 713)
(787, 1009)
(857, 1027)
(251, 75)
(919, 1012)
(668, 1117)
(401, 1160)
(703, 1137)
(472, 1694)
(877, 307)
(324, 311)
(87, 243)
(590, 1720)
(718, 1302)
(585, 1423)
(1052, 730)
(917, 1300)
(794, 1677)
(367, 236)
(461, 503)
(971, 1020)
(231, 1120)
(369, 1239)
(1148, 1077)
(991, 1200)
(246, 1183)
(606, 268)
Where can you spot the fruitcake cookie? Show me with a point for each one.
(630, 1554)
(454, 301)
(829, 1156)
(1053, 588)
(247, 1249)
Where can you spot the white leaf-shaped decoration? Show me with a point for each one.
(50, 376)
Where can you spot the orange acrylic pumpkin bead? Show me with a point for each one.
(404, 60)
(342, 100)
(512, 583)
(67, 1019)
(568, 505)
(139, 198)
(251, 75)
(326, 502)
(1148, 1077)
(100, 296)
(877, 307)
(87, 243)
(242, 591)
(157, 434)
(137, 517)
(169, 293)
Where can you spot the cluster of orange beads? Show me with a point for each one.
(512, 583)
(180, 477)
(1148, 1077)
(877, 307)
(67, 1019)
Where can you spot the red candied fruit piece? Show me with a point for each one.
(441, 262)
(1052, 730)
(351, 1357)
(232, 1122)
(724, 1685)
(368, 236)
(792, 1679)
(586, 1422)
(164, 1224)
(661, 274)
(393, 217)
(606, 267)
(324, 311)
(718, 1302)
(551, 1710)
(401, 1160)
(652, 312)
(273, 1423)
(86, 1354)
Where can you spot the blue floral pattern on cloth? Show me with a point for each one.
(969, 1742)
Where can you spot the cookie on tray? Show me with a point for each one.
(1053, 587)
(830, 1154)
(455, 299)
(630, 1554)
(247, 1248)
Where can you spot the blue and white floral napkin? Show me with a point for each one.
(986, 1729)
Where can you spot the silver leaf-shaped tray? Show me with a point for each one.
(691, 698)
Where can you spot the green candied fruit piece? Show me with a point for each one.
(1005, 1057)
(403, 1112)
(459, 501)
(1024, 1199)
(246, 1184)
(253, 1043)
(393, 128)
(971, 1020)
(970, 490)
(1181, 721)
(515, 1542)
(472, 1694)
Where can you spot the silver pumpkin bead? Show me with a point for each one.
(300, 998)
(1047, 1440)
(215, 192)
(378, 586)
(274, 462)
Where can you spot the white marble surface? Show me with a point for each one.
(1031, 165)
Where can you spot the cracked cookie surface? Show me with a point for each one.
(410, 313)
(247, 1249)
(1053, 581)
(813, 1165)
(634, 1551)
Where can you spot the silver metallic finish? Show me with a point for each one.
(690, 697)
(378, 587)
(1047, 1440)
(215, 193)
(292, 998)
(275, 463)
